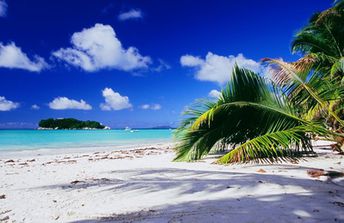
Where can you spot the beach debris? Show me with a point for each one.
(2, 196)
(261, 171)
(77, 181)
(127, 154)
(49, 162)
(23, 164)
(60, 161)
(9, 161)
(316, 173)
(71, 161)
(66, 161)
(5, 212)
(13, 173)
(32, 160)
(5, 218)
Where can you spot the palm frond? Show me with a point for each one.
(337, 67)
(323, 34)
(286, 144)
(297, 80)
(248, 108)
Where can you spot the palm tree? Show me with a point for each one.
(321, 42)
(252, 117)
(321, 68)
(262, 121)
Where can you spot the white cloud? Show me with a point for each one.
(151, 106)
(3, 8)
(217, 68)
(156, 107)
(114, 101)
(145, 106)
(6, 105)
(98, 48)
(62, 103)
(35, 107)
(162, 66)
(214, 93)
(191, 61)
(132, 14)
(12, 56)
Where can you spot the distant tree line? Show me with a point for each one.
(69, 123)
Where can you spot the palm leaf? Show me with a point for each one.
(275, 145)
(337, 67)
(295, 78)
(247, 109)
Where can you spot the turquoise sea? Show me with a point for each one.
(62, 139)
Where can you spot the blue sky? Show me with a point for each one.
(133, 63)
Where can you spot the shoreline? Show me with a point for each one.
(46, 151)
(144, 185)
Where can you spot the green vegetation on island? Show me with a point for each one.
(274, 117)
(69, 123)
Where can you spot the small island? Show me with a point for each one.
(69, 123)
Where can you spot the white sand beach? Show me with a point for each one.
(143, 185)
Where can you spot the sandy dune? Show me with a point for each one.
(145, 186)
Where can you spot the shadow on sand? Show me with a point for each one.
(217, 196)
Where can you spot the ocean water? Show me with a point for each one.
(11, 140)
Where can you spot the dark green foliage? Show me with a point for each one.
(315, 83)
(69, 123)
(251, 118)
(322, 42)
